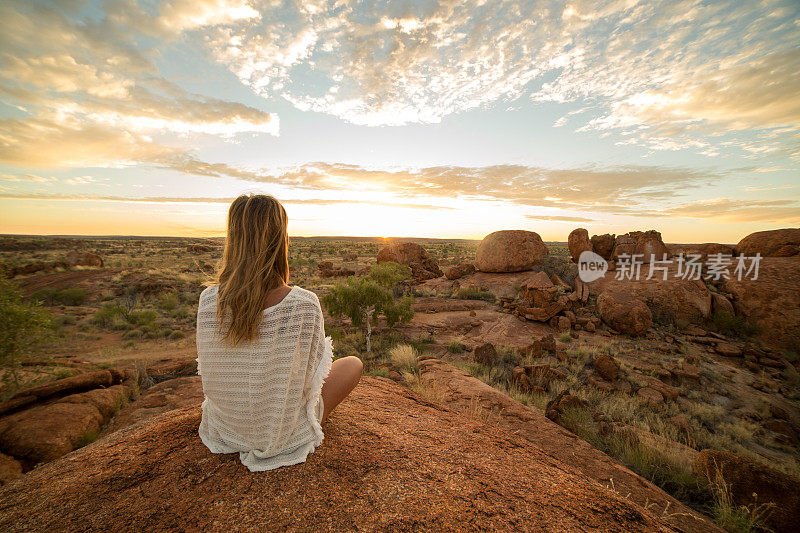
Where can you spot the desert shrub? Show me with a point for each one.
(404, 356)
(455, 347)
(176, 334)
(64, 320)
(64, 373)
(732, 518)
(24, 324)
(565, 337)
(87, 438)
(472, 293)
(732, 325)
(106, 315)
(168, 302)
(142, 317)
(132, 334)
(44, 296)
(73, 296)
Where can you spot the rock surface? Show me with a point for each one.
(509, 251)
(772, 302)
(459, 271)
(670, 300)
(745, 477)
(160, 398)
(46, 432)
(578, 242)
(773, 243)
(624, 313)
(462, 391)
(378, 469)
(603, 245)
(414, 256)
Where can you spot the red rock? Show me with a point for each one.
(746, 477)
(771, 303)
(162, 471)
(10, 469)
(564, 324)
(509, 251)
(606, 366)
(459, 271)
(61, 387)
(578, 242)
(603, 245)
(414, 256)
(485, 354)
(463, 392)
(720, 304)
(651, 395)
(624, 313)
(160, 398)
(46, 432)
(727, 349)
(771, 243)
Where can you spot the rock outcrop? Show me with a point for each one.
(509, 251)
(378, 469)
(414, 256)
(624, 313)
(648, 245)
(753, 483)
(603, 245)
(459, 271)
(771, 302)
(578, 242)
(773, 243)
(462, 391)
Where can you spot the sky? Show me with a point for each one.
(446, 119)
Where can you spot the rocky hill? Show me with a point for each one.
(391, 461)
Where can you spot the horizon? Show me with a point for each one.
(418, 118)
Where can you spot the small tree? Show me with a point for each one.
(359, 298)
(23, 325)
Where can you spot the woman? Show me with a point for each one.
(265, 362)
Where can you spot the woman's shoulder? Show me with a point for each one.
(305, 296)
(209, 291)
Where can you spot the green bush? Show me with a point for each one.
(132, 334)
(142, 317)
(176, 334)
(24, 325)
(74, 296)
(108, 315)
(168, 302)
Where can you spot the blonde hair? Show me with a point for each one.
(255, 261)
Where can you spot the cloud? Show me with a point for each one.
(84, 85)
(559, 218)
(668, 76)
(776, 211)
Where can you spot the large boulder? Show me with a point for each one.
(391, 461)
(646, 244)
(753, 483)
(459, 271)
(510, 251)
(60, 387)
(603, 245)
(465, 393)
(46, 432)
(773, 243)
(771, 302)
(703, 250)
(10, 469)
(578, 242)
(624, 313)
(414, 256)
(160, 398)
(671, 300)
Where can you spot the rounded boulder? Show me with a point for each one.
(510, 251)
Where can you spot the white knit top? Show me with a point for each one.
(262, 397)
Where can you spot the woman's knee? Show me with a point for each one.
(354, 365)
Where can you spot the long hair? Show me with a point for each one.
(255, 261)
